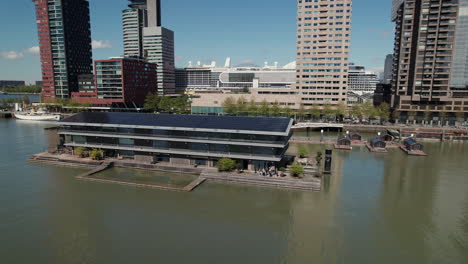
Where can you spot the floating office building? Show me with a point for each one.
(180, 140)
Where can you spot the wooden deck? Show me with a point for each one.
(377, 150)
(343, 147)
(412, 152)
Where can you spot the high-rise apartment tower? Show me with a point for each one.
(145, 37)
(430, 72)
(323, 44)
(65, 45)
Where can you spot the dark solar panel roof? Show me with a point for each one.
(186, 121)
(410, 141)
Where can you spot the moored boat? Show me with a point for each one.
(37, 117)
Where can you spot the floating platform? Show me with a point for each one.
(413, 152)
(378, 150)
(358, 143)
(344, 147)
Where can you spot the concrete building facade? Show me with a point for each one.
(361, 81)
(6, 84)
(65, 45)
(323, 44)
(234, 79)
(145, 37)
(430, 72)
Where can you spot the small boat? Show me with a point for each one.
(37, 117)
(394, 133)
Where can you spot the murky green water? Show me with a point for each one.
(375, 208)
(147, 176)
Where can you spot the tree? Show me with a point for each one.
(314, 112)
(357, 111)
(252, 108)
(288, 112)
(31, 89)
(229, 106)
(97, 154)
(275, 109)
(384, 112)
(328, 112)
(342, 110)
(369, 110)
(296, 169)
(301, 113)
(303, 152)
(81, 152)
(226, 164)
(152, 102)
(241, 106)
(180, 105)
(264, 108)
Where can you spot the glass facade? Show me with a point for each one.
(459, 78)
(214, 144)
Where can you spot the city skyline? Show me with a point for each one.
(19, 59)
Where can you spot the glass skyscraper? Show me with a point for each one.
(65, 45)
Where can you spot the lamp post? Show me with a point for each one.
(321, 135)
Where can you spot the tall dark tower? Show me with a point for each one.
(65, 44)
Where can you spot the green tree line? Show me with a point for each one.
(242, 107)
(175, 105)
(23, 89)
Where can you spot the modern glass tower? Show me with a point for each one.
(65, 45)
(430, 71)
(145, 37)
(323, 42)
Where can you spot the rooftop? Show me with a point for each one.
(195, 122)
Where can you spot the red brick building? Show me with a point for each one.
(124, 81)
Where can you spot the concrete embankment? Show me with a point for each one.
(97, 167)
(296, 184)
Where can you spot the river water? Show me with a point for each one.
(34, 98)
(375, 208)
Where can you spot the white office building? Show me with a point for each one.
(361, 81)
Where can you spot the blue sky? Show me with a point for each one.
(251, 31)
